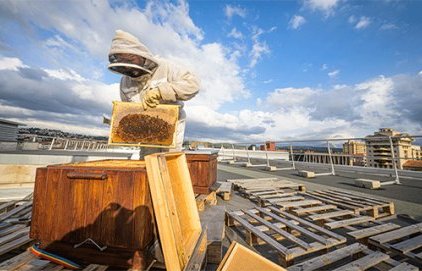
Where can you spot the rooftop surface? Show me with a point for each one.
(406, 196)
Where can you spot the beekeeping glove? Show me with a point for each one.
(151, 98)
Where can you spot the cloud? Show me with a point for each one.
(361, 23)
(11, 63)
(296, 22)
(389, 26)
(349, 110)
(325, 6)
(234, 33)
(324, 67)
(259, 48)
(334, 73)
(231, 11)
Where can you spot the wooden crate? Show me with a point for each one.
(289, 235)
(405, 242)
(353, 257)
(175, 210)
(108, 201)
(203, 171)
(162, 121)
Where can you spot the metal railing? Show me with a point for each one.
(392, 164)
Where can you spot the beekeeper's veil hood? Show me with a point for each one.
(128, 56)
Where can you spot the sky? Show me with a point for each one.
(269, 70)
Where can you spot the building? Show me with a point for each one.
(354, 147)
(269, 146)
(378, 148)
(9, 135)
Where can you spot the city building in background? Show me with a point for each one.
(354, 147)
(269, 146)
(9, 134)
(378, 149)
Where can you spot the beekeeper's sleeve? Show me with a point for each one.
(181, 84)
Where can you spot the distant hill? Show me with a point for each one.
(55, 133)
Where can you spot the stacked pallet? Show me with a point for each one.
(290, 214)
(14, 224)
(289, 235)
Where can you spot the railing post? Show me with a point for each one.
(52, 143)
(65, 145)
(393, 158)
(247, 155)
(234, 155)
(331, 159)
(293, 157)
(266, 154)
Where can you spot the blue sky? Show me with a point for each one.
(269, 69)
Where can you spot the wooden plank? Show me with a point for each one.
(294, 226)
(298, 203)
(340, 238)
(364, 263)
(240, 258)
(404, 267)
(348, 222)
(284, 199)
(17, 261)
(318, 263)
(302, 211)
(324, 216)
(409, 244)
(397, 234)
(365, 233)
(174, 207)
(283, 233)
(14, 244)
(249, 227)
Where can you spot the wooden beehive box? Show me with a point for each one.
(203, 171)
(108, 201)
(131, 125)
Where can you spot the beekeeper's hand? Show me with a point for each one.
(151, 98)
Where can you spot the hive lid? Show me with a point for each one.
(131, 125)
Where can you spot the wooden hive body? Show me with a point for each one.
(108, 201)
(203, 171)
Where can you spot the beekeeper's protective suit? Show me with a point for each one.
(150, 80)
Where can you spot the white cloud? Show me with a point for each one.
(325, 6)
(324, 67)
(259, 48)
(334, 73)
(230, 11)
(11, 63)
(62, 74)
(234, 33)
(296, 22)
(267, 81)
(363, 22)
(388, 26)
(420, 73)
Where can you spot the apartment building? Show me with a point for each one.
(378, 148)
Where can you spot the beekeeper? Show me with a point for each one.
(150, 80)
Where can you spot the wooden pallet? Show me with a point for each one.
(27, 261)
(405, 242)
(359, 204)
(289, 235)
(248, 185)
(14, 224)
(354, 257)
